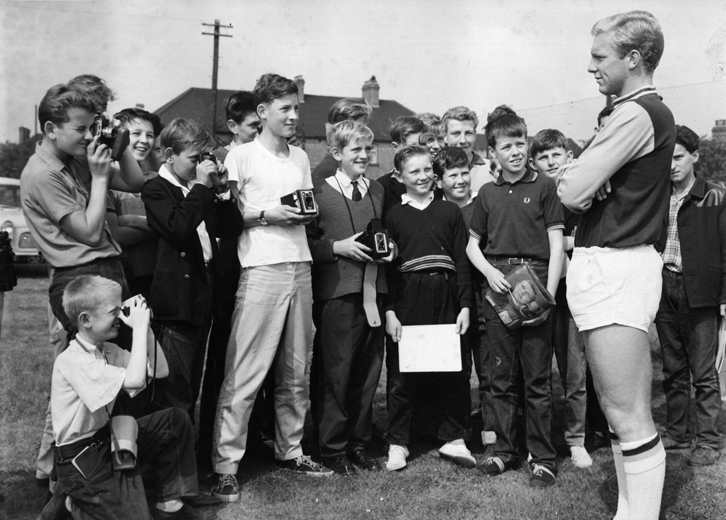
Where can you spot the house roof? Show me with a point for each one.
(196, 103)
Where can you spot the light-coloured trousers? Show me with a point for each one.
(272, 320)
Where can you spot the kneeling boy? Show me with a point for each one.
(87, 378)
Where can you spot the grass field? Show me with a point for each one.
(428, 489)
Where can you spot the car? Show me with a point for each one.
(13, 222)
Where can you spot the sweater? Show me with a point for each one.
(432, 239)
(336, 276)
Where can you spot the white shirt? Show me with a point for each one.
(263, 179)
(405, 199)
(202, 228)
(341, 180)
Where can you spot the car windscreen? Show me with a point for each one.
(10, 196)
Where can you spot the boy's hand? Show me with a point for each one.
(139, 314)
(602, 191)
(462, 321)
(284, 215)
(497, 281)
(99, 159)
(536, 321)
(349, 248)
(220, 176)
(393, 248)
(393, 326)
(206, 170)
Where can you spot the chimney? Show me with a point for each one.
(140, 105)
(300, 82)
(370, 92)
(23, 134)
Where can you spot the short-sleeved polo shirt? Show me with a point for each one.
(51, 189)
(513, 219)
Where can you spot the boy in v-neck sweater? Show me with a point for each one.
(348, 289)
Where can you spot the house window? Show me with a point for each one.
(374, 155)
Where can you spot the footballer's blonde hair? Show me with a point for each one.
(634, 30)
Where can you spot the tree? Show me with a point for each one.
(14, 156)
(711, 163)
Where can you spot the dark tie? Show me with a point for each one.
(356, 192)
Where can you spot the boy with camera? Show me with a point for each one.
(99, 466)
(347, 291)
(188, 206)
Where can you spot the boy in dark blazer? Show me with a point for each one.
(188, 206)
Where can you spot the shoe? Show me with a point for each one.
(669, 443)
(580, 458)
(458, 454)
(202, 500)
(703, 456)
(306, 465)
(226, 489)
(488, 437)
(491, 467)
(396, 457)
(541, 477)
(340, 464)
(364, 461)
(185, 513)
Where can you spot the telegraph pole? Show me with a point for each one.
(216, 35)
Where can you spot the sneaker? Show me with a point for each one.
(541, 477)
(396, 457)
(703, 456)
(488, 437)
(669, 443)
(492, 466)
(364, 461)
(306, 465)
(580, 458)
(185, 513)
(340, 464)
(226, 489)
(458, 454)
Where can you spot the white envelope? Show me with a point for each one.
(429, 348)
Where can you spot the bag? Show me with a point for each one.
(124, 431)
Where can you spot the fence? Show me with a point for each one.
(696, 106)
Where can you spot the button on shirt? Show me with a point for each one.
(672, 258)
(202, 228)
(341, 180)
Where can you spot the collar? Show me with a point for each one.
(476, 159)
(405, 199)
(51, 160)
(530, 176)
(85, 345)
(345, 181)
(165, 174)
(642, 91)
(685, 192)
(698, 190)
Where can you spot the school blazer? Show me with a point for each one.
(702, 234)
(180, 289)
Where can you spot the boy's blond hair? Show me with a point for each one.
(459, 114)
(345, 132)
(87, 293)
(182, 133)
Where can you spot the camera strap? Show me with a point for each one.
(370, 275)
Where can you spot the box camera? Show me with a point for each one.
(303, 200)
(206, 156)
(376, 238)
(117, 139)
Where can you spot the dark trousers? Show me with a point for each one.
(480, 353)
(426, 299)
(529, 350)
(688, 342)
(350, 357)
(165, 451)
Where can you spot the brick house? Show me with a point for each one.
(196, 103)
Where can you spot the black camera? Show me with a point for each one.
(303, 200)
(117, 139)
(376, 238)
(206, 156)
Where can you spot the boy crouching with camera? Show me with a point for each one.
(347, 241)
(89, 446)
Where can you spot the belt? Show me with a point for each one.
(511, 261)
(67, 452)
(97, 261)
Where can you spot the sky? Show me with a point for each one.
(428, 55)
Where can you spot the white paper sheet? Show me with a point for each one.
(429, 348)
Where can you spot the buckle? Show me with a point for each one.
(515, 261)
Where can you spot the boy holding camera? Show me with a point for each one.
(347, 292)
(188, 206)
(87, 378)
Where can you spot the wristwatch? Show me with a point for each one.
(261, 219)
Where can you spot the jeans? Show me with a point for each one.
(688, 339)
(529, 350)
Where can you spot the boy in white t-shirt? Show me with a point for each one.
(272, 318)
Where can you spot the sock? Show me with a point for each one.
(644, 465)
(622, 512)
(172, 506)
